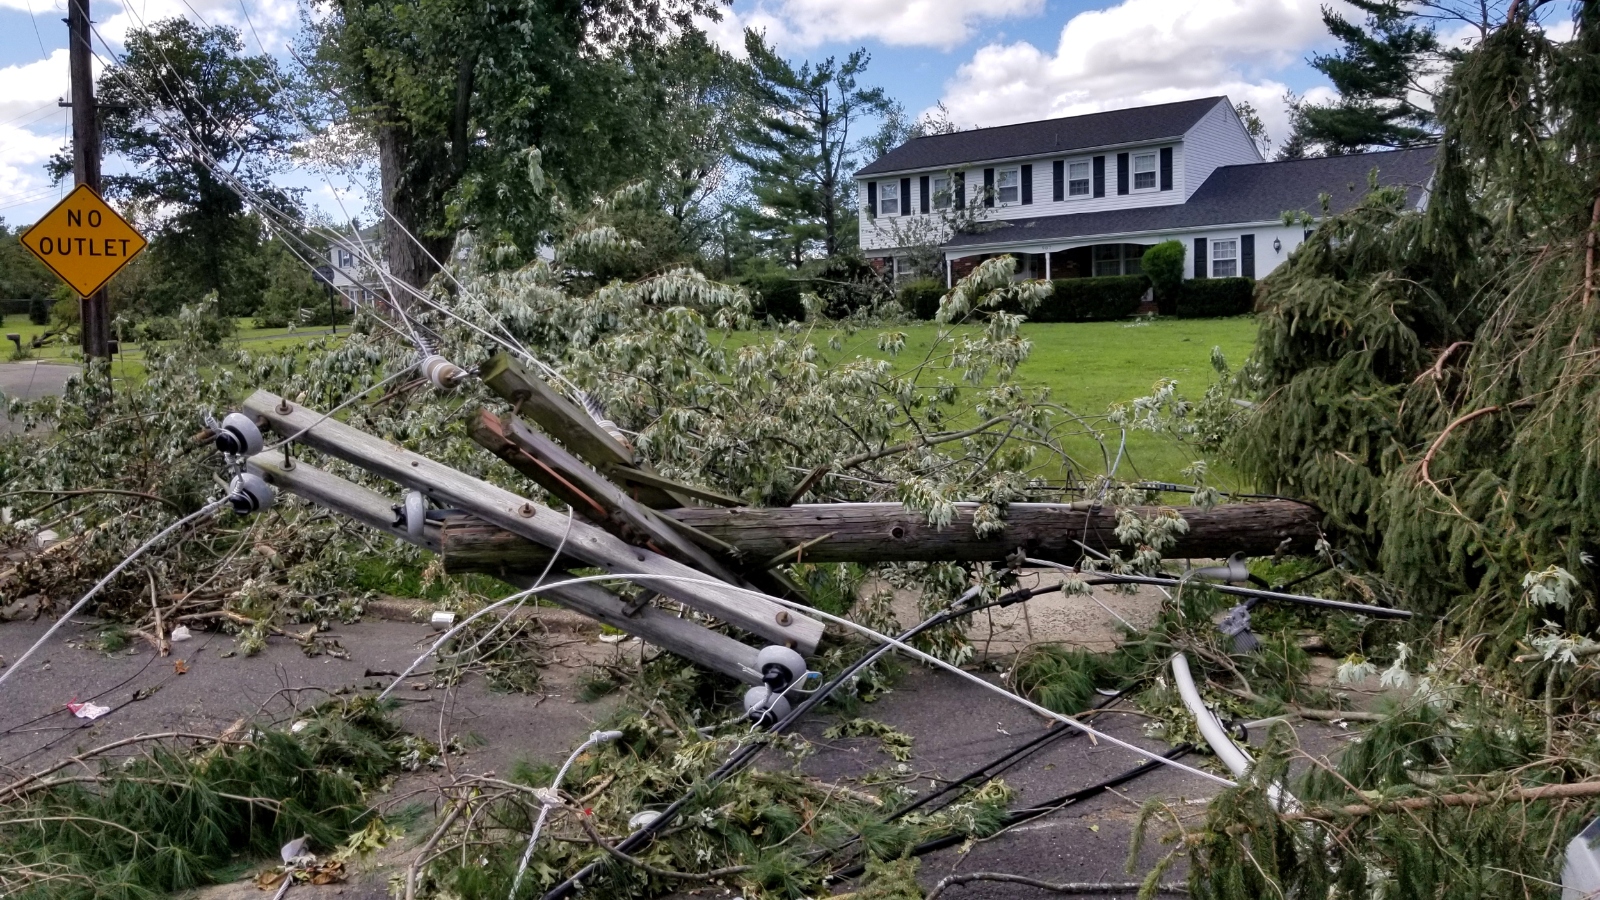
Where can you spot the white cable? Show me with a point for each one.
(546, 802)
(810, 611)
(1231, 754)
(1073, 571)
(202, 511)
(537, 581)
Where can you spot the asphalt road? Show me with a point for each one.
(30, 381)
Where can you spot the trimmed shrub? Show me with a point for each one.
(1210, 298)
(1092, 299)
(775, 294)
(1163, 263)
(921, 297)
(39, 311)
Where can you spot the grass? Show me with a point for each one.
(129, 360)
(1088, 366)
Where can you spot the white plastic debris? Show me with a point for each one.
(180, 634)
(293, 850)
(642, 818)
(1580, 877)
(87, 710)
(442, 621)
(46, 539)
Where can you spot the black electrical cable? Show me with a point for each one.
(746, 754)
(1018, 816)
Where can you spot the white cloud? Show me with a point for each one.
(802, 24)
(1140, 52)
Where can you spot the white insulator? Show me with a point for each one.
(791, 664)
(416, 514)
(598, 412)
(764, 707)
(442, 372)
(239, 435)
(248, 493)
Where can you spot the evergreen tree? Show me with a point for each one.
(1380, 72)
(800, 151)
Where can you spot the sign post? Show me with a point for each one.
(84, 241)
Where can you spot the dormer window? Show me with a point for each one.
(1144, 171)
(941, 192)
(889, 199)
(1078, 179)
(1008, 185)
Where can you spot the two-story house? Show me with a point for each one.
(1086, 195)
(355, 266)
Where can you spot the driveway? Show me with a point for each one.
(30, 381)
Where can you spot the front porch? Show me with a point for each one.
(1090, 260)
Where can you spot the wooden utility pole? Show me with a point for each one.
(95, 314)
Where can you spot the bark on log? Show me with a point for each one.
(886, 532)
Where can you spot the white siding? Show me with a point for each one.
(1216, 140)
(1267, 259)
(883, 232)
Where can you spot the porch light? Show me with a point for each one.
(1277, 245)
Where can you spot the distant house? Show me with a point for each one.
(355, 267)
(1086, 195)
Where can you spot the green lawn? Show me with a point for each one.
(1090, 365)
(129, 362)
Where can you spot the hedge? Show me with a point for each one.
(921, 297)
(1207, 298)
(1092, 299)
(775, 294)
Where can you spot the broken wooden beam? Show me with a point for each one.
(887, 532)
(682, 637)
(537, 523)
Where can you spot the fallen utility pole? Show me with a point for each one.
(888, 532)
(589, 545)
(684, 637)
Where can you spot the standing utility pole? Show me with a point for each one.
(95, 314)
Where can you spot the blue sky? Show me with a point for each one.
(990, 61)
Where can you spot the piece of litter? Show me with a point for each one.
(299, 726)
(87, 710)
(293, 849)
(642, 818)
(181, 634)
(613, 638)
(442, 620)
(180, 667)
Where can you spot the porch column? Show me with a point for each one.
(1047, 265)
(949, 274)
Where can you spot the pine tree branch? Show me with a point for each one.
(1543, 792)
(669, 874)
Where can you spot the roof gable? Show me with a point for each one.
(1064, 135)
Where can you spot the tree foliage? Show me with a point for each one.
(801, 152)
(236, 123)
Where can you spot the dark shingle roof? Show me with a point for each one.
(1103, 129)
(1259, 192)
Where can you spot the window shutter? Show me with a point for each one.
(1122, 173)
(961, 190)
(905, 196)
(1058, 189)
(872, 199)
(1247, 255)
(1166, 168)
(1200, 260)
(1099, 176)
(1027, 183)
(924, 192)
(988, 187)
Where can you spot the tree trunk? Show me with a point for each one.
(408, 248)
(886, 532)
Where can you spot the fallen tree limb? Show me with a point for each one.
(1071, 887)
(888, 532)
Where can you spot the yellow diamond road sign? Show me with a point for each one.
(83, 240)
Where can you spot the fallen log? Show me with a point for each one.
(887, 532)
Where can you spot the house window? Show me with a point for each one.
(1107, 259)
(1144, 172)
(889, 199)
(346, 259)
(1008, 185)
(1078, 179)
(1224, 258)
(941, 192)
